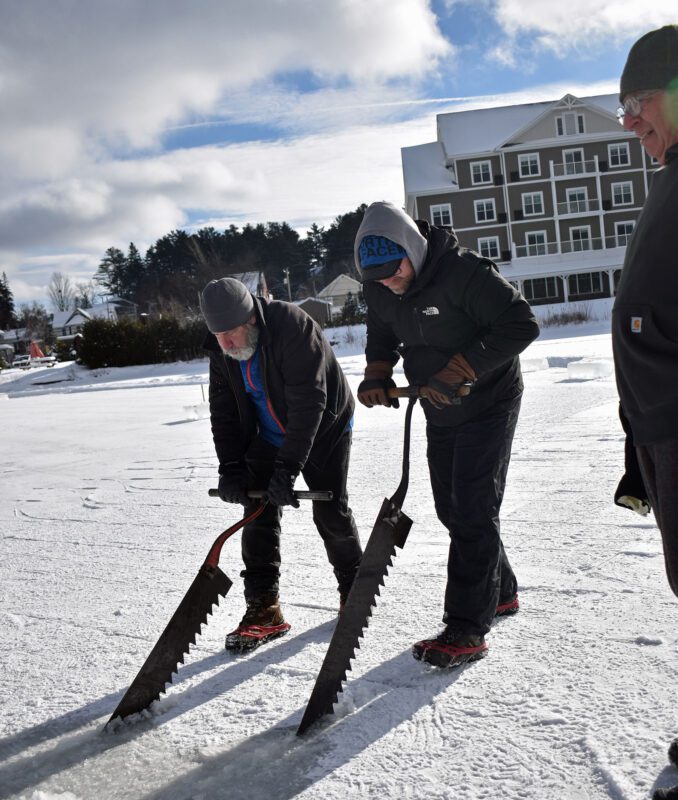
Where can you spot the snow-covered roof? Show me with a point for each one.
(342, 284)
(424, 169)
(486, 129)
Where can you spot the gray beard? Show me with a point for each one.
(246, 352)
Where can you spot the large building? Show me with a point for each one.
(550, 191)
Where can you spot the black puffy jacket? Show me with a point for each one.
(459, 303)
(304, 384)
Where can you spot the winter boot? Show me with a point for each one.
(673, 752)
(451, 648)
(263, 621)
(508, 608)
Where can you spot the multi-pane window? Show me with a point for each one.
(536, 243)
(577, 200)
(529, 165)
(570, 124)
(485, 210)
(585, 283)
(622, 194)
(481, 172)
(618, 154)
(574, 161)
(488, 247)
(580, 238)
(540, 289)
(441, 215)
(533, 203)
(622, 232)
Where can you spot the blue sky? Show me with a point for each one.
(122, 121)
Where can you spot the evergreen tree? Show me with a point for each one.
(7, 312)
(112, 272)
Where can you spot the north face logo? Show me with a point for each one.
(431, 311)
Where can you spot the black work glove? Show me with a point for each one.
(233, 483)
(375, 384)
(280, 488)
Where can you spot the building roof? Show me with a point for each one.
(487, 129)
(482, 131)
(342, 284)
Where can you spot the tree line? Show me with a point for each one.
(168, 277)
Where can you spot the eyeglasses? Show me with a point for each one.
(633, 104)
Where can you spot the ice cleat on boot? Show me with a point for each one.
(263, 621)
(511, 606)
(451, 648)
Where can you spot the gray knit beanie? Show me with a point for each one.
(225, 303)
(652, 62)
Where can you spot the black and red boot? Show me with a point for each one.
(451, 648)
(263, 621)
(509, 607)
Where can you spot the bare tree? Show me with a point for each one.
(84, 294)
(61, 292)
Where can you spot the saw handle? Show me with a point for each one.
(302, 494)
(415, 391)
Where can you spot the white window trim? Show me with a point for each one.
(577, 117)
(580, 151)
(476, 203)
(441, 208)
(520, 165)
(489, 168)
(621, 183)
(546, 279)
(533, 213)
(588, 238)
(568, 197)
(543, 244)
(576, 276)
(617, 235)
(624, 145)
(494, 240)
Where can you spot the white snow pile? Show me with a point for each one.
(106, 521)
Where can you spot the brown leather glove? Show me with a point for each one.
(376, 381)
(449, 383)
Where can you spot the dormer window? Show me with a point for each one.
(569, 124)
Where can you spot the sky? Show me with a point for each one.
(123, 121)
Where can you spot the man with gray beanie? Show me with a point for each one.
(454, 321)
(645, 312)
(280, 405)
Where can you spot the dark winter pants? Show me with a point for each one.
(333, 519)
(468, 465)
(659, 465)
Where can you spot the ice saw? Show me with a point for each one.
(390, 531)
(208, 586)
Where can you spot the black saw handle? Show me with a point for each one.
(302, 494)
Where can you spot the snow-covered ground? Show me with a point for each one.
(106, 520)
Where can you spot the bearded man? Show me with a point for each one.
(280, 405)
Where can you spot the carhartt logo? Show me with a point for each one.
(636, 324)
(431, 311)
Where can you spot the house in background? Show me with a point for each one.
(550, 191)
(337, 291)
(68, 324)
(317, 309)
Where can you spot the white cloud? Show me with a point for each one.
(562, 27)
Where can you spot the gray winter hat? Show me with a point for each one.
(652, 62)
(225, 303)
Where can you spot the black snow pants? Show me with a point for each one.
(659, 465)
(333, 519)
(468, 465)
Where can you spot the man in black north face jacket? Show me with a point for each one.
(280, 405)
(459, 327)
